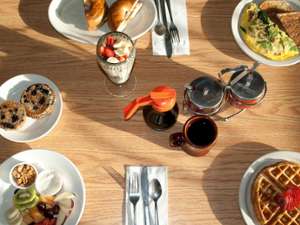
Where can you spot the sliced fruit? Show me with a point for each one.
(64, 195)
(12, 213)
(66, 205)
(27, 219)
(29, 205)
(17, 220)
(36, 215)
(61, 218)
(48, 199)
(25, 196)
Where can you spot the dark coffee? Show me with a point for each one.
(201, 132)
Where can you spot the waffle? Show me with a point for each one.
(269, 183)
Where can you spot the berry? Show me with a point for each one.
(290, 199)
(108, 52)
(110, 41)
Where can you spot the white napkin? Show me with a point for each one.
(160, 173)
(180, 19)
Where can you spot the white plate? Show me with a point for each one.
(235, 24)
(44, 159)
(33, 129)
(249, 176)
(67, 17)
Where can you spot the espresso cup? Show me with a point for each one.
(198, 136)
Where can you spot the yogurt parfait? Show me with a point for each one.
(116, 56)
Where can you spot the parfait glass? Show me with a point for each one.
(119, 82)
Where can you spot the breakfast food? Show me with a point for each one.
(115, 49)
(276, 194)
(48, 183)
(273, 7)
(121, 12)
(265, 37)
(24, 175)
(94, 11)
(38, 100)
(12, 115)
(31, 207)
(291, 24)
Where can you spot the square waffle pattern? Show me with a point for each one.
(269, 182)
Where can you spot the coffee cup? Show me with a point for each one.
(198, 136)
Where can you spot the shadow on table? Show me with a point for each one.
(216, 24)
(34, 13)
(221, 181)
(9, 148)
(81, 81)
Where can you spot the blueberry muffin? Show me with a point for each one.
(38, 100)
(12, 115)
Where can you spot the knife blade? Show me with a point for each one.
(167, 38)
(145, 195)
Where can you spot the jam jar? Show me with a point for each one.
(204, 96)
(246, 87)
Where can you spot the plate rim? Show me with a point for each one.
(28, 151)
(235, 20)
(81, 37)
(2, 132)
(243, 194)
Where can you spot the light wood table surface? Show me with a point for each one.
(202, 191)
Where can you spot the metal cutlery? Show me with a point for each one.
(172, 29)
(160, 28)
(168, 41)
(145, 194)
(134, 193)
(155, 193)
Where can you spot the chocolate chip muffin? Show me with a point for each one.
(12, 115)
(38, 100)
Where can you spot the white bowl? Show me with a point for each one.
(32, 129)
(235, 24)
(12, 180)
(55, 190)
(67, 17)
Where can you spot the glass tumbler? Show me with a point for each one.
(119, 81)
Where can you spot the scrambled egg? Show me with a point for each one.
(265, 37)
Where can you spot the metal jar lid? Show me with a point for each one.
(250, 87)
(205, 92)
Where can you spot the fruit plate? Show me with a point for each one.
(44, 159)
(249, 176)
(235, 24)
(67, 17)
(33, 129)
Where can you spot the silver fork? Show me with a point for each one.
(173, 29)
(134, 193)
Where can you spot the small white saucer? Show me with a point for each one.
(33, 129)
(67, 17)
(249, 176)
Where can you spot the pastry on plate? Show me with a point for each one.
(38, 100)
(121, 12)
(291, 24)
(94, 11)
(276, 194)
(12, 115)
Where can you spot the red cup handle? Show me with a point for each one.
(176, 139)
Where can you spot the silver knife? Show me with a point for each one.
(168, 43)
(145, 195)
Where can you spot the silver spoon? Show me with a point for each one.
(160, 28)
(155, 193)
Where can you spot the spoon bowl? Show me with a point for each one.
(155, 190)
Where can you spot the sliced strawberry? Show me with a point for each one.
(290, 199)
(122, 58)
(110, 41)
(101, 51)
(108, 52)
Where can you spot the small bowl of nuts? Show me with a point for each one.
(23, 175)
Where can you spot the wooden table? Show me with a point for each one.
(94, 136)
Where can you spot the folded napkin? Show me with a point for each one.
(179, 12)
(160, 173)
